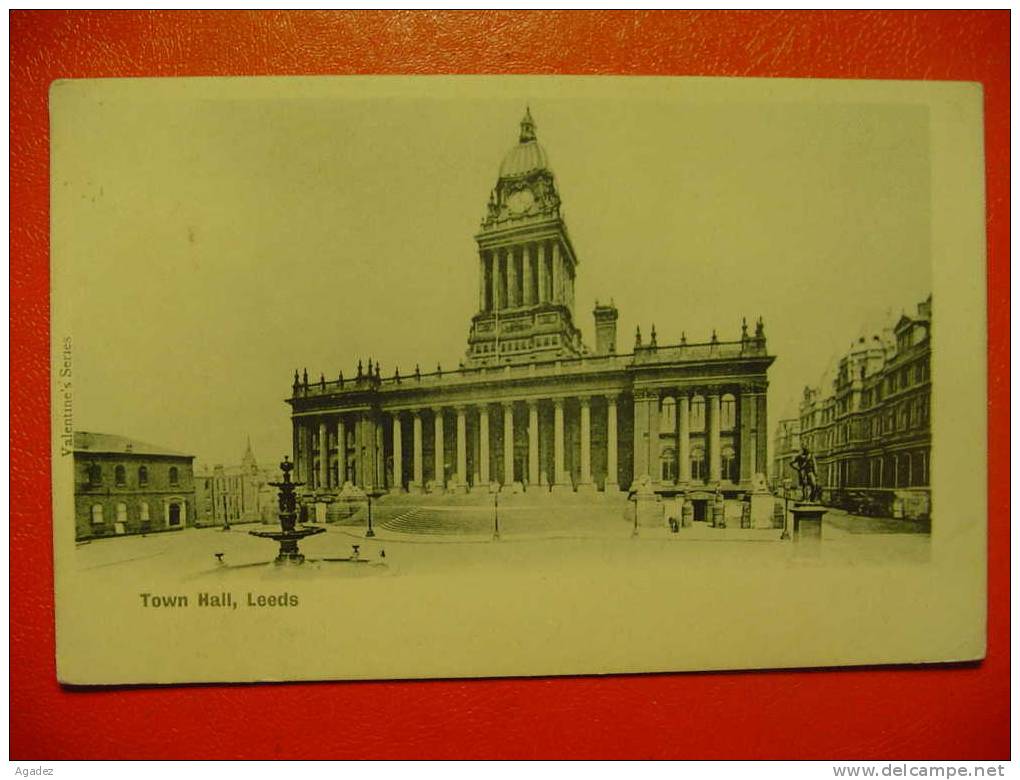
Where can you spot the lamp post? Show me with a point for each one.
(369, 533)
(495, 517)
(786, 509)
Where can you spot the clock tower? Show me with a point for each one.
(526, 266)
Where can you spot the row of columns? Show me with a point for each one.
(561, 478)
(368, 447)
(508, 278)
(752, 426)
(369, 460)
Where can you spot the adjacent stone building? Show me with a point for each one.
(785, 446)
(531, 407)
(870, 429)
(123, 486)
(235, 494)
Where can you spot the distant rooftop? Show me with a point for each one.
(85, 441)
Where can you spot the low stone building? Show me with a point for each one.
(124, 486)
(870, 428)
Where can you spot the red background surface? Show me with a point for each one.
(957, 712)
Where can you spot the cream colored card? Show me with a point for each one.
(541, 354)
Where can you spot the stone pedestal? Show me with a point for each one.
(647, 505)
(612, 487)
(807, 522)
(718, 514)
(687, 514)
(763, 509)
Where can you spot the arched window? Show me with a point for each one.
(728, 412)
(143, 476)
(174, 478)
(668, 420)
(668, 465)
(729, 464)
(95, 475)
(97, 514)
(697, 463)
(122, 513)
(698, 413)
(119, 476)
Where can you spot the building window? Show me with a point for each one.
(143, 512)
(728, 412)
(697, 463)
(95, 474)
(174, 514)
(119, 476)
(668, 421)
(174, 478)
(698, 413)
(729, 464)
(122, 513)
(143, 476)
(97, 514)
(668, 467)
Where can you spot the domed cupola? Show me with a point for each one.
(526, 188)
(528, 156)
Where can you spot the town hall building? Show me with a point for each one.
(532, 406)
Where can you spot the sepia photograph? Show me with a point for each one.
(365, 378)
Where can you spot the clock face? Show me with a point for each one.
(520, 201)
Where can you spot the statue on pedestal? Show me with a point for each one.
(807, 472)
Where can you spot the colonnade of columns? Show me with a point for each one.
(326, 466)
(533, 449)
(524, 274)
(748, 428)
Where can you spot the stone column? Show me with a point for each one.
(533, 445)
(511, 279)
(760, 433)
(585, 479)
(526, 253)
(483, 445)
(416, 452)
(341, 451)
(714, 455)
(398, 455)
(683, 439)
(557, 273)
(462, 475)
(497, 280)
(323, 456)
(559, 468)
(508, 445)
(746, 407)
(612, 446)
(380, 455)
(371, 477)
(359, 467)
(440, 456)
(309, 458)
(481, 281)
(543, 276)
(640, 435)
(654, 465)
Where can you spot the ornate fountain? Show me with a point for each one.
(289, 534)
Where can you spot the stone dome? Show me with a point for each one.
(527, 156)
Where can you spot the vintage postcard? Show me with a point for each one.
(392, 377)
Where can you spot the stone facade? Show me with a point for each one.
(123, 486)
(870, 431)
(531, 407)
(235, 494)
(785, 446)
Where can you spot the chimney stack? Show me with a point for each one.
(605, 328)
